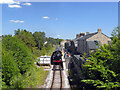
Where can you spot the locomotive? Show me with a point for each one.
(56, 58)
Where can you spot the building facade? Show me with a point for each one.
(90, 41)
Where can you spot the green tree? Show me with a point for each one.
(39, 38)
(9, 67)
(54, 41)
(18, 55)
(20, 52)
(115, 50)
(26, 37)
(102, 70)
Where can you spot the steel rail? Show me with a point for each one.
(53, 79)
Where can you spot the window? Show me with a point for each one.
(96, 42)
(108, 42)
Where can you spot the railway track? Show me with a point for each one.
(57, 78)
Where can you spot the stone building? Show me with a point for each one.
(77, 37)
(62, 43)
(90, 41)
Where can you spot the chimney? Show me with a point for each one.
(82, 34)
(77, 35)
(87, 33)
(99, 30)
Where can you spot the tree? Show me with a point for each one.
(39, 38)
(26, 37)
(102, 70)
(54, 41)
(18, 55)
(115, 49)
(51, 40)
(9, 67)
(20, 52)
(116, 32)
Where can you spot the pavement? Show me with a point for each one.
(66, 81)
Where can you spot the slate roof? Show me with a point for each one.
(75, 39)
(87, 36)
(92, 45)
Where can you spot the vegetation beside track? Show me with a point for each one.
(19, 52)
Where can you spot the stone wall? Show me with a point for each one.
(82, 47)
(100, 37)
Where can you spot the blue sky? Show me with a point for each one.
(67, 0)
(62, 20)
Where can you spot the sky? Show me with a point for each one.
(8, 1)
(60, 19)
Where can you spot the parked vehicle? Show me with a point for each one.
(45, 60)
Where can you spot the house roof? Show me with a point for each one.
(74, 40)
(92, 45)
(89, 35)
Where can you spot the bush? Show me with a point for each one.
(20, 53)
(31, 78)
(16, 60)
(102, 70)
(9, 67)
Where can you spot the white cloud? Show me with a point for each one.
(14, 6)
(11, 3)
(17, 2)
(6, 1)
(28, 4)
(17, 21)
(58, 35)
(46, 17)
